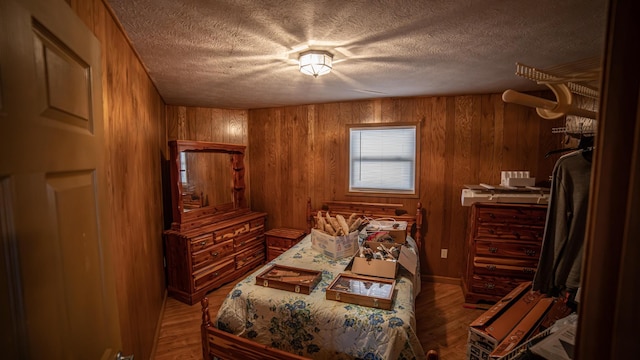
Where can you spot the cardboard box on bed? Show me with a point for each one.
(376, 267)
(408, 259)
(493, 326)
(396, 229)
(336, 247)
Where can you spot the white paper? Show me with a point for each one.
(408, 259)
(557, 346)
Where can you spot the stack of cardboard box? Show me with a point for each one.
(512, 321)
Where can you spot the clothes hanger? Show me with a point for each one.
(585, 144)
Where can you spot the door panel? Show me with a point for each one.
(55, 233)
(63, 80)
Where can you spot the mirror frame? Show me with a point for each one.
(198, 217)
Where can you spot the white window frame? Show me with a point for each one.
(411, 178)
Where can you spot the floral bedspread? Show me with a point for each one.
(314, 327)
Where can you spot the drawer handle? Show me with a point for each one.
(529, 252)
(491, 231)
(489, 286)
(493, 250)
(242, 243)
(215, 274)
(203, 243)
(491, 215)
(214, 254)
(491, 267)
(528, 270)
(516, 234)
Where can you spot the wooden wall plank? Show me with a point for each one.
(135, 144)
(432, 179)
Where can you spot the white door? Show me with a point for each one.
(57, 288)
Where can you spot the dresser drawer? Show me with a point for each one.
(250, 256)
(257, 224)
(231, 232)
(212, 273)
(201, 242)
(512, 215)
(515, 249)
(211, 254)
(513, 232)
(499, 267)
(248, 240)
(493, 285)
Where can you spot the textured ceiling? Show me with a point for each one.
(243, 53)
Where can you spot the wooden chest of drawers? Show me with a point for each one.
(205, 258)
(280, 240)
(504, 248)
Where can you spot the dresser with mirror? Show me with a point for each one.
(214, 236)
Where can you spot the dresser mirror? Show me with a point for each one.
(207, 181)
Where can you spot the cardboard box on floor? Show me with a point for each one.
(488, 331)
(558, 310)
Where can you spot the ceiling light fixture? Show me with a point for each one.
(315, 62)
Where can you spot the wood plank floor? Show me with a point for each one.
(442, 323)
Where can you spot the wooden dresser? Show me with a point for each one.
(205, 258)
(504, 243)
(214, 237)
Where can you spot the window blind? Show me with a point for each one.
(382, 158)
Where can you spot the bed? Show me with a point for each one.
(257, 320)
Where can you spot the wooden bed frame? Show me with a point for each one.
(217, 344)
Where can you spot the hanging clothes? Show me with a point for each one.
(560, 263)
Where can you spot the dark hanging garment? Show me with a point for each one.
(561, 256)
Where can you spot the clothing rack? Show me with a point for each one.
(566, 80)
(583, 131)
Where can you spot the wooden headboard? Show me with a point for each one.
(371, 210)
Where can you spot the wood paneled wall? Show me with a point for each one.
(301, 152)
(135, 139)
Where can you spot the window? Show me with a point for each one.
(383, 159)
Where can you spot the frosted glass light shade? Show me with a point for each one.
(315, 62)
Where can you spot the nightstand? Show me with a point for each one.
(280, 240)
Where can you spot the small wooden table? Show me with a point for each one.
(280, 240)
